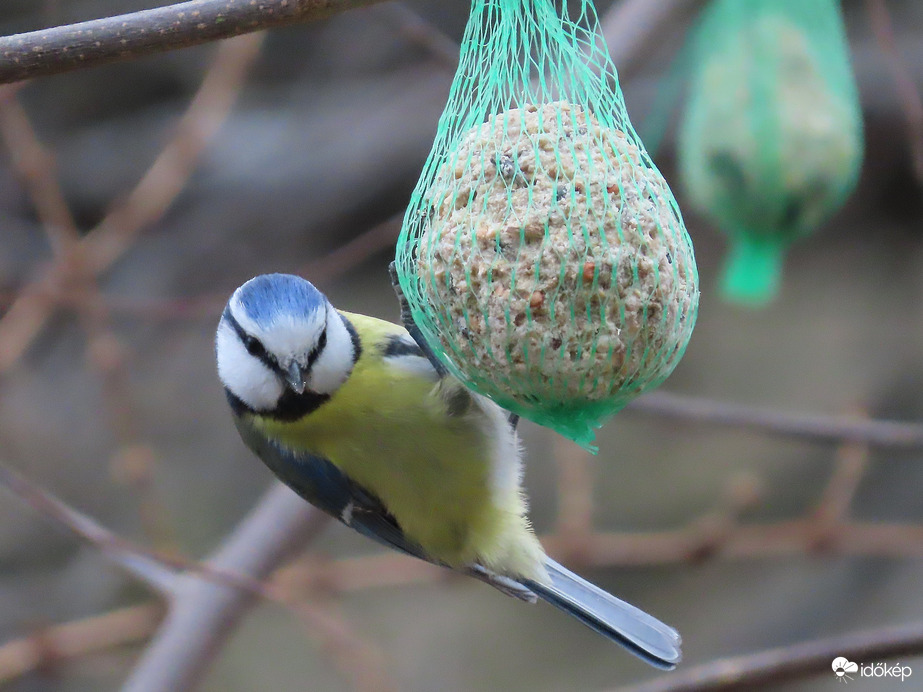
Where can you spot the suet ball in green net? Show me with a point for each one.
(771, 140)
(544, 256)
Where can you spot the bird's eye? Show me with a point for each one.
(253, 345)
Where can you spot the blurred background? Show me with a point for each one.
(112, 402)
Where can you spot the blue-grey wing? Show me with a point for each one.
(321, 483)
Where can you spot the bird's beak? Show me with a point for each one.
(295, 377)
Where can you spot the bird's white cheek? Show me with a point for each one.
(335, 362)
(245, 376)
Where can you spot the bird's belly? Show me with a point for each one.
(435, 480)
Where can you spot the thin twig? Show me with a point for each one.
(809, 426)
(748, 542)
(215, 593)
(908, 94)
(36, 303)
(149, 567)
(703, 539)
(321, 272)
(362, 663)
(346, 575)
(796, 662)
(347, 256)
(833, 506)
(170, 172)
(100, 41)
(203, 613)
(35, 164)
(78, 638)
(159, 570)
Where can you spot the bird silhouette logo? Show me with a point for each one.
(842, 667)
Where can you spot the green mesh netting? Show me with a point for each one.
(771, 140)
(543, 255)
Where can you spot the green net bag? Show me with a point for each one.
(543, 256)
(771, 139)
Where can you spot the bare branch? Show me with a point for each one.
(212, 595)
(78, 638)
(147, 567)
(37, 302)
(709, 538)
(363, 664)
(788, 663)
(157, 569)
(833, 507)
(100, 41)
(203, 613)
(809, 426)
(349, 255)
(170, 172)
(748, 542)
(35, 166)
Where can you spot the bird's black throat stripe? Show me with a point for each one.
(291, 405)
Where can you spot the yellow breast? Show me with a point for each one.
(389, 430)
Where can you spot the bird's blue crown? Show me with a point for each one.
(270, 296)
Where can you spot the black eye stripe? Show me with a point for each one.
(252, 344)
(316, 351)
(256, 349)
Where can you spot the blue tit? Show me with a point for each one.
(360, 419)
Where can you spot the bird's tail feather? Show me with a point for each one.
(640, 633)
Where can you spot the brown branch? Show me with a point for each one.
(170, 172)
(78, 638)
(347, 256)
(833, 506)
(908, 94)
(808, 426)
(159, 570)
(796, 662)
(35, 165)
(147, 566)
(704, 539)
(209, 598)
(155, 192)
(203, 613)
(747, 542)
(363, 664)
(214, 594)
(100, 41)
